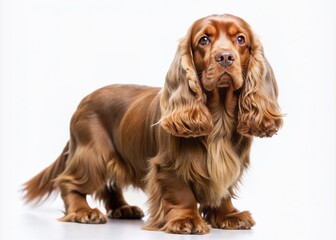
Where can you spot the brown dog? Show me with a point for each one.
(185, 144)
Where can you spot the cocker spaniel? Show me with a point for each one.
(186, 145)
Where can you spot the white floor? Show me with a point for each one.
(292, 217)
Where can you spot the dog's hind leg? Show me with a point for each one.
(116, 205)
(85, 172)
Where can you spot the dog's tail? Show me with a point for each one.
(42, 185)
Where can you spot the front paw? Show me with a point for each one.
(233, 221)
(186, 226)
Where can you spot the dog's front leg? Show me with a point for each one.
(172, 204)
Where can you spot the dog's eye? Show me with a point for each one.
(241, 40)
(204, 41)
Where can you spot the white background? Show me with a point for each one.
(54, 52)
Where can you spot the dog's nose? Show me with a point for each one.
(225, 58)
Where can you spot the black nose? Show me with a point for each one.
(225, 58)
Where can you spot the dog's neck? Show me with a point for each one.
(223, 102)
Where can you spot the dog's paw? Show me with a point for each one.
(92, 216)
(237, 220)
(125, 212)
(187, 226)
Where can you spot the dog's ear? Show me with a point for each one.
(259, 112)
(182, 103)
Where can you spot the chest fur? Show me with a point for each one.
(224, 164)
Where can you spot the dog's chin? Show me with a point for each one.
(225, 80)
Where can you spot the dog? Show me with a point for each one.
(186, 145)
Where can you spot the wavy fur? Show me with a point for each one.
(259, 112)
(184, 113)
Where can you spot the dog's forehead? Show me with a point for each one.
(215, 23)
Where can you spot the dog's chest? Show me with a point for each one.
(223, 165)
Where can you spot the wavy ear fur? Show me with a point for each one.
(182, 102)
(259, 112)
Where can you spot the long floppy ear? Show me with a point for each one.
(183, 110)
(259, 111)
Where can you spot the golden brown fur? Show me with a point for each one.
(185, 144)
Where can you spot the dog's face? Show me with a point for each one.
(221, 50)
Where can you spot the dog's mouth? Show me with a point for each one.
(227, 79)
(224, 80)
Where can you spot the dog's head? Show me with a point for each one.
(220, 51)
